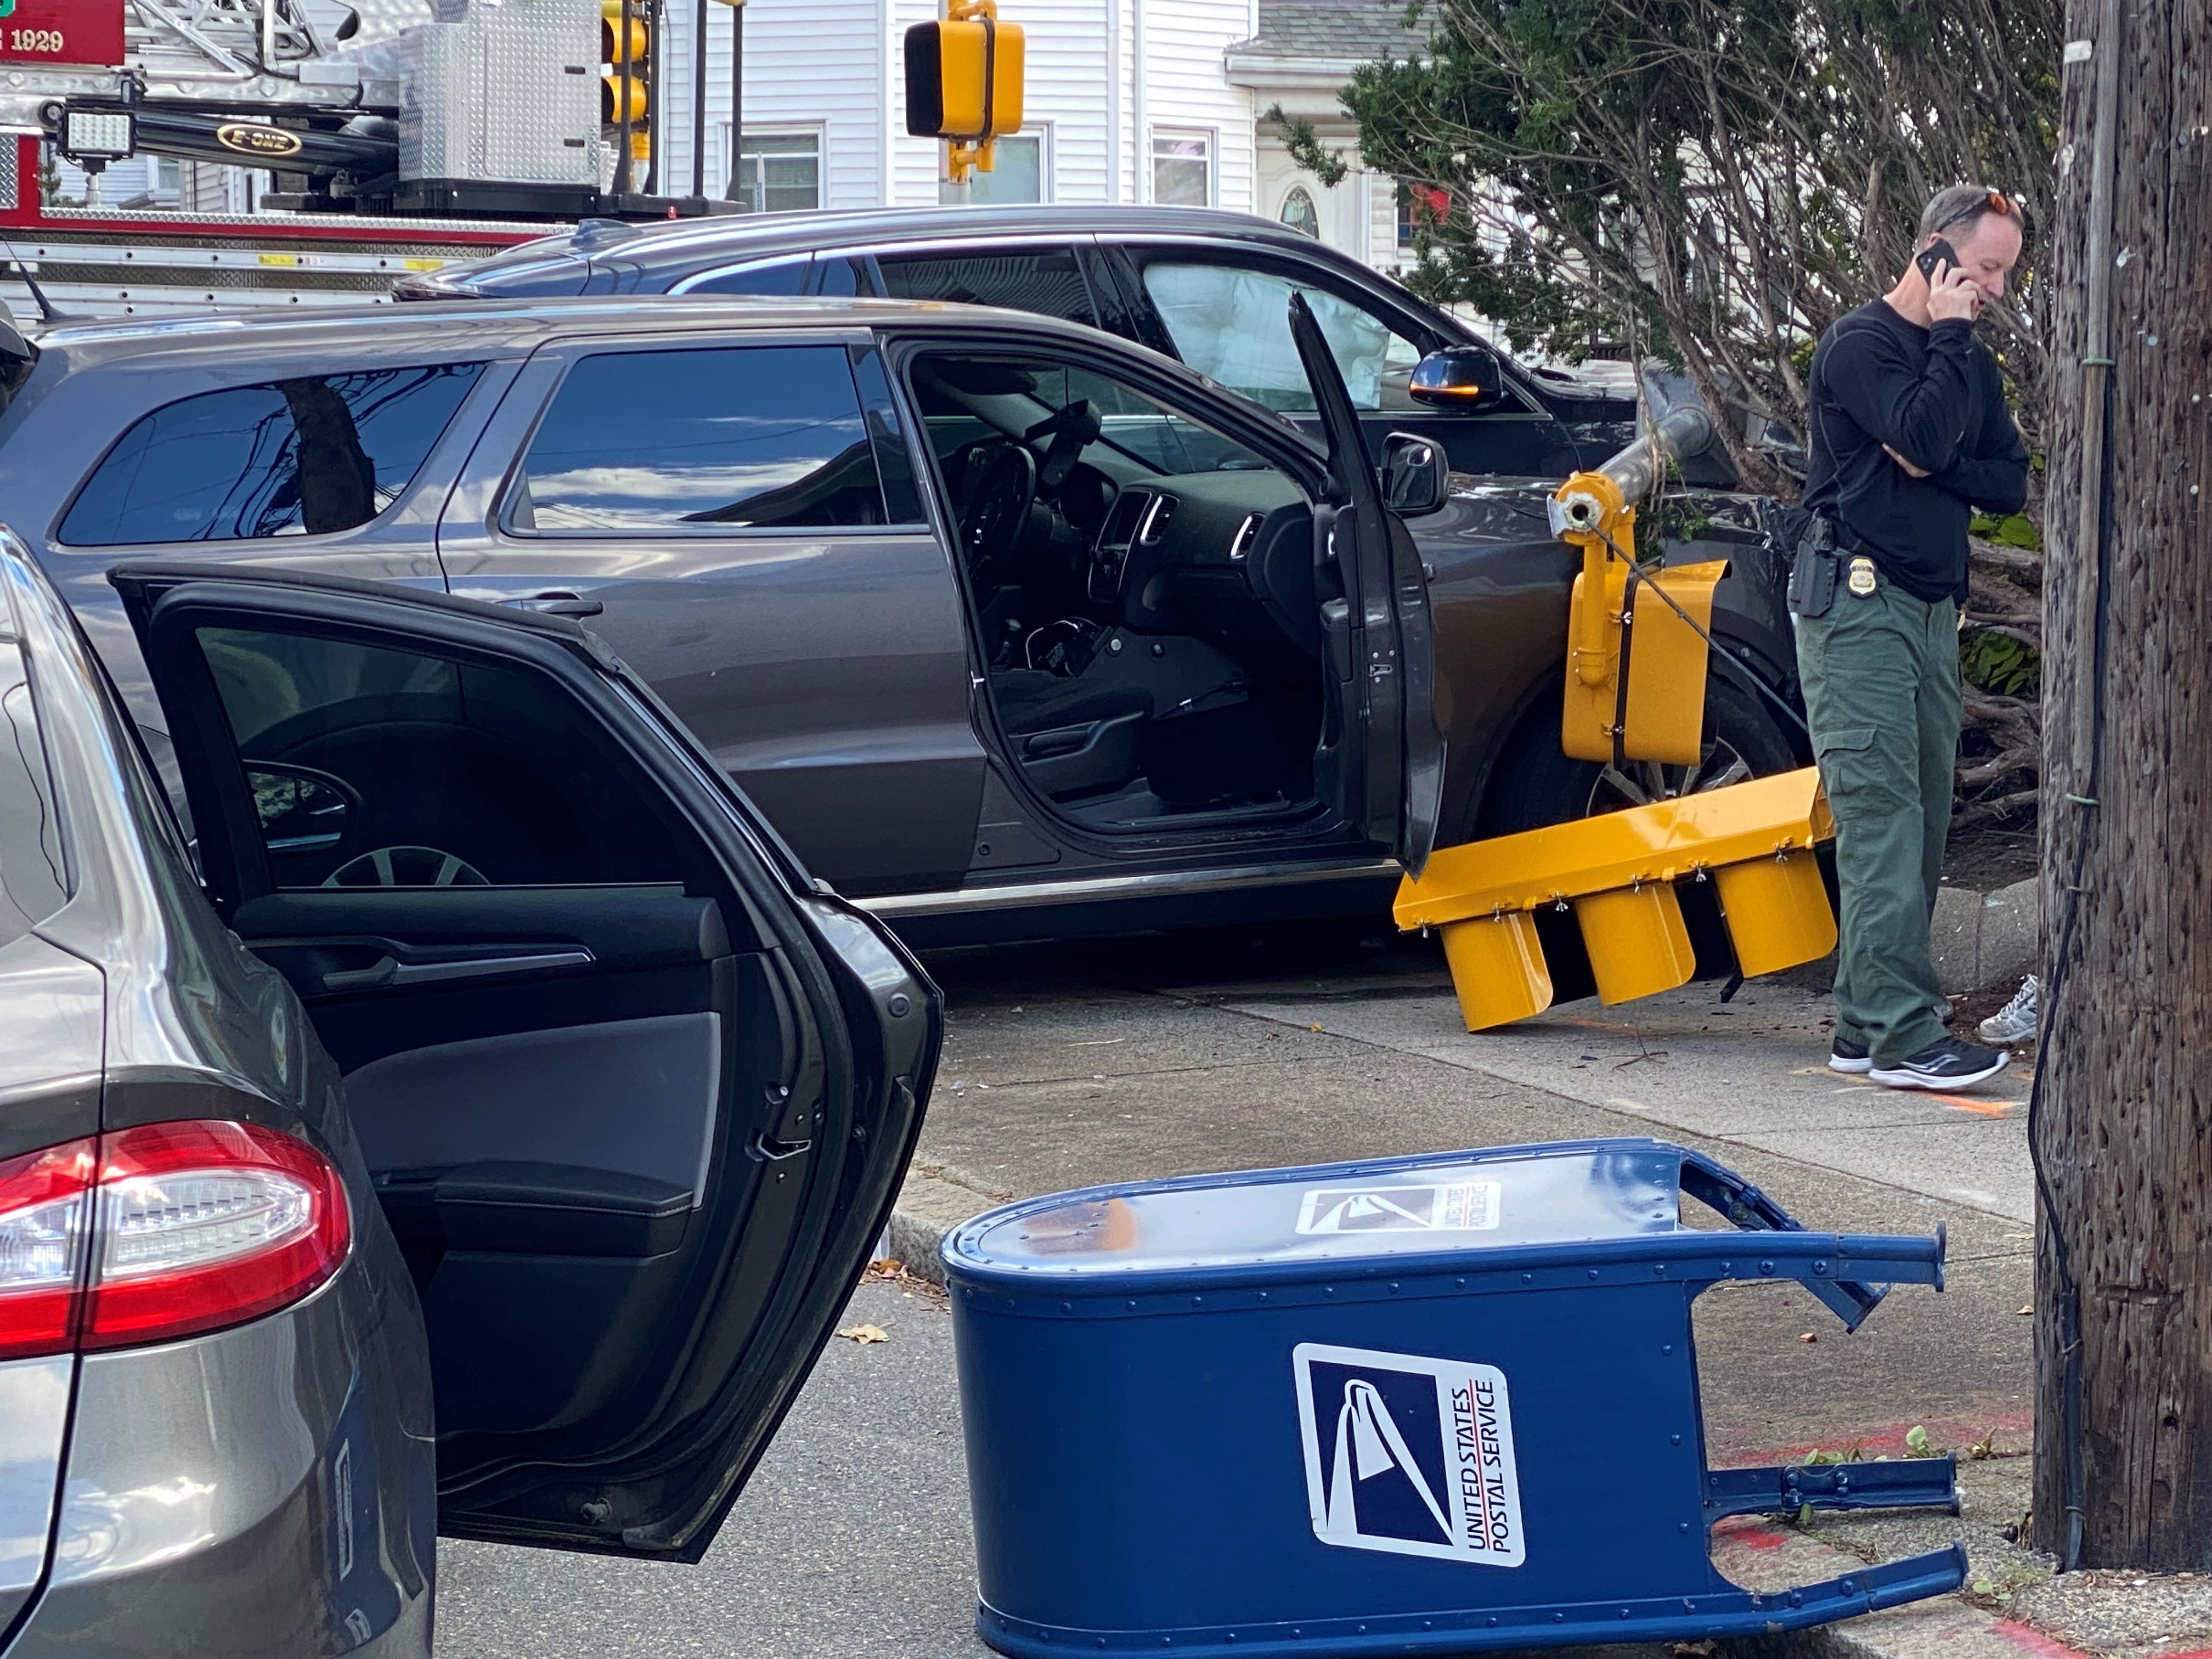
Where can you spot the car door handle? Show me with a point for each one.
(390, 971)
(558, 602)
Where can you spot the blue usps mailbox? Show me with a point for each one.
(1429, 1404)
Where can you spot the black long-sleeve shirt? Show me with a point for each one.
(1934, 396)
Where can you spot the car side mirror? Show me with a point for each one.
(300, 810)
(1416, 476)
(1465, 378)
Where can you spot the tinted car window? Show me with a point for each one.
(374, 767)
(33, 882)
(709, 440)
(785, 276)
(1046, 280)
(292, 458)
(1232, 324)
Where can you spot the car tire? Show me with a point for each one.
(1537, 786)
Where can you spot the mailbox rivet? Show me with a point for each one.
(1820, 1266)
(1394, 1284)
(1526, 1278)
(1558, 1618)
(1493, 1624)
(1328, 1290)
(1673, 1439)
(1666, 1348)
(1593, 1272)
(1263, 1296)
(1766, 1266)
(1461, 1283)
(1624, 1612)
(1681, 1526)
(1133, 1307)
(1428, 1624)
(1067, 1307)
(1724, 1267)
(1659, 1270)
(1198, 1302)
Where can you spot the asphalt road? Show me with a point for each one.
(1086, 1063)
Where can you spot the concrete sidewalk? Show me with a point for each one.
(1084, 1065)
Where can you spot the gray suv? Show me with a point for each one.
(405, 1155)
(1011, 627)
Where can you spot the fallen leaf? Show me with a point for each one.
(1809, 1336)
(1313, 1028)
(2029, 1308)
(865, 1334)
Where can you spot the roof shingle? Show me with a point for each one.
(1360, 30)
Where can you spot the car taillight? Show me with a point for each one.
(162, 1231)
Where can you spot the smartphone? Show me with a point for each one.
(1935, 256)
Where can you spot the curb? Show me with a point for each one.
(933, 1201)
(1985, 939)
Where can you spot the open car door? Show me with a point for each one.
(1380, 760)
(634, 1095)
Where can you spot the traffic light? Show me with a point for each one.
(1618, 874)
(625, 78)
(963, 82)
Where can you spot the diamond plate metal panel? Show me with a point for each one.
(508, 93)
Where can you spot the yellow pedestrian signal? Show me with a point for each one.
(963, 82)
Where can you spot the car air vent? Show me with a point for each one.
(1129, 509)
(1247, 533)
(1155, 522)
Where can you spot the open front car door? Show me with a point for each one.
(1382, 754)
(635, 1096)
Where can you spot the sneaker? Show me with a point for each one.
(2016, 1021)
(1949, 1063)
(1845, 1056)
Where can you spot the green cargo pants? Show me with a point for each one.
(1881, 673)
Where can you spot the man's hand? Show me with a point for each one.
(1953, 296)
(1911, 471)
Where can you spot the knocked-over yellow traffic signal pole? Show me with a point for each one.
(1617, 873)
(964, 83)
(1635, 690)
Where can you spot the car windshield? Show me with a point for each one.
(1125, 433)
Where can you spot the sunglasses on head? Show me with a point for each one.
(1995, 202)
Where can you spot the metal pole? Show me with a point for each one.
(656, 17)
(737, 101)
(622, 91)
(699, 102)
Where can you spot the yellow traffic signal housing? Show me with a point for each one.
(1617, 873)
(1636, 666)
(963, 82)
(625, 41)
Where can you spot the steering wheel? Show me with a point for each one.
(992, 527)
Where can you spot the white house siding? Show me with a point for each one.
(816, 67)
(1184, 87)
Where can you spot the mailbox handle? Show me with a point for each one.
(1747, 1208)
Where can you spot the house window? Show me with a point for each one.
(1299, 212)
(1421, 207)
(1016, 174)
(1182, 168)
(779, 172)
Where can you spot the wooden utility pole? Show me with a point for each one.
(2124, 1298)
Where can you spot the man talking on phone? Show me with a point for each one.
(1910, 435)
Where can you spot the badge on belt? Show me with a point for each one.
(1861, 581)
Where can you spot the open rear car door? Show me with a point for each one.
(1381, 754)
(635, 1096)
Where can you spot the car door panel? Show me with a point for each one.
(634, 1136)
(825, 668)
(1382, 753)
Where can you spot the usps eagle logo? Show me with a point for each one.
(1409, 1454)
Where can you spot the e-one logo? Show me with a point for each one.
(1409, 1455)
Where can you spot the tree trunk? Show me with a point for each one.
(2125, 1117)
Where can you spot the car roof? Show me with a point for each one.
(672, 248)
(457, 328)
